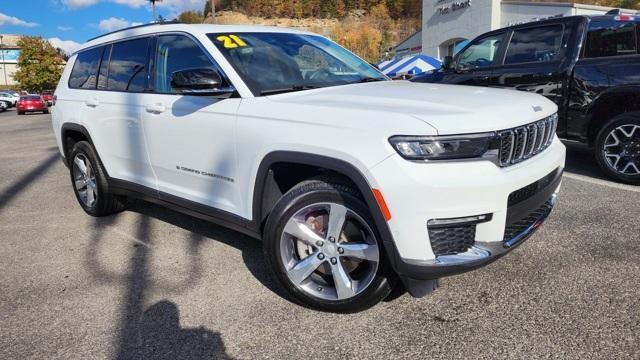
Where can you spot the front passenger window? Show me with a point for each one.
(175, 53)
(481, 53)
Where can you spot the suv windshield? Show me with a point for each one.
(272, 63)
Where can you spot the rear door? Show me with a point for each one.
(112, 106)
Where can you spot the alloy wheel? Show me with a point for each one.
(621, 149)
(84, 180)
(329, 251)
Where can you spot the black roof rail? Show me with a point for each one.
(136, 27)
(613, 12)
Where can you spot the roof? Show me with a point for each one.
(200, 29)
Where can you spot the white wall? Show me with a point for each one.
(481, 16)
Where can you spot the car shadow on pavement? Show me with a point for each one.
(251, 248)
(581, 161)
(154, 332)
(26, 180)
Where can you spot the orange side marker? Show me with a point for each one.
(382, 204)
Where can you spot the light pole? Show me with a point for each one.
(4, 64)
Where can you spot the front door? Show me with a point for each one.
(191, 139)
(533, 61)
(475, 63)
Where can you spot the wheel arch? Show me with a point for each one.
(333, 165)
(609, 104)
(70, 134)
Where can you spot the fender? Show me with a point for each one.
(333, 164)
(629, 92)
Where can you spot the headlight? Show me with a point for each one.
(443, 147)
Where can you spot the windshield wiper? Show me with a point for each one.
(286, 90)
(370, 79)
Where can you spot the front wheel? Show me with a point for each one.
(618, 148)
(321, 244)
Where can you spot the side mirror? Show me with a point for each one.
(447, 63)
(200, 82)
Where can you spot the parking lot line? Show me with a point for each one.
(601, 182)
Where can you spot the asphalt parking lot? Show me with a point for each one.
(153, 283)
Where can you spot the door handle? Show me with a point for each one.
(155, 108)
(92, 102)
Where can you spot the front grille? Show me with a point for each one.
(523, 142)
(517, 227)
(452, 240)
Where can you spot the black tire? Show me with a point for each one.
(20, 112)
(106, 203)
(46, 111)
(632, 118)
(320, 191)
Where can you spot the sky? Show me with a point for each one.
(69, 23)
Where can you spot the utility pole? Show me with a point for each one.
(153, 5)
(213, 11)
(4, 64)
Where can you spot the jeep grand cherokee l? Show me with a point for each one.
(353, 182)
(587, 65)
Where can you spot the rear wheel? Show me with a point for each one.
(323, 248)
(618, 148)
(90, 182)
(45, 111)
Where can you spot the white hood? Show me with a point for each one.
(450, 109)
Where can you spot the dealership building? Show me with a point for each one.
(449, 23)
(9, 53)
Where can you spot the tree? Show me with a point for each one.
(191, 17)
(39, 65)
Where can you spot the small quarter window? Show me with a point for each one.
(539, 44)
(127, 68)
(85, 69)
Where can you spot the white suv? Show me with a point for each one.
(355, 183)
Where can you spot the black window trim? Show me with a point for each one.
(151, 41)
(562, 40)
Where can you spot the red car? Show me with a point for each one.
(32, 103)
(47, 95)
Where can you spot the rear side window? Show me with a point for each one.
(85, 69)
(611, 39)
(538, 44)
(127, 68)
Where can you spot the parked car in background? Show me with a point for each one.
(588, 65)
(353, 182)
(47, 95)
(32, 103)
(8, 99)
(3, 106)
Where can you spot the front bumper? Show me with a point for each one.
(461, 189)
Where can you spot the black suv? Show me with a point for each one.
(588, 65)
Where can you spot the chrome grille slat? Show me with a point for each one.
(524, 142)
